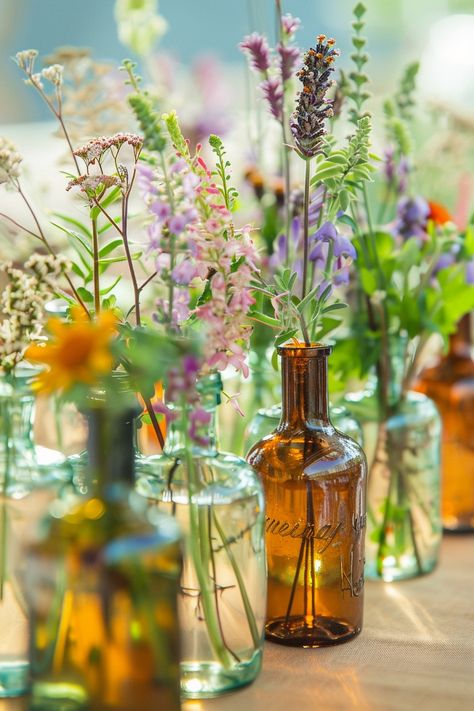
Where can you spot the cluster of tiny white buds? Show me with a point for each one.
(90, 183)
(10, 161)
(26, 59)
(54, 74)
(96, 147)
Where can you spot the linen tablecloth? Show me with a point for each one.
(415, 653)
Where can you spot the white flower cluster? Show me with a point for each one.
(22, 304)
(10, 161)
(26, 61)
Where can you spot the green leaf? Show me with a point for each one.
(115, 260)
(75, 236)
(334, 307)
(108, 289)
(72, 221)
(108, 248)
(85, 294)
(325, 171)
(368, 280)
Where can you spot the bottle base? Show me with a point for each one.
(58, 696)
(14, 678)
(210, 679)
(322, 632)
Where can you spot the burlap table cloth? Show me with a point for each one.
(416, 652)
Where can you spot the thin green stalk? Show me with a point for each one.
(95, 266)
(256, 638)
(196, 535)
(306, 225)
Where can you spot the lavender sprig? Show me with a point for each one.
(313, 106)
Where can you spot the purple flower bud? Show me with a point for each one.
(273, 92)
(343, 247)
(470, 272)
(177, 223)
(184, 272)
(257, 49)
(290, 24)
(289, 58)
(161, 209)
(412, 217)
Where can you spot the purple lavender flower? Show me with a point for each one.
(184, 272)
(161, 209)
(258, 51)
(273, 92)
(470, 272)
(290, 24)
(412, 216)
(396, 174)
(342, 247)
(313, 108)
(289, 58)
(446, 260)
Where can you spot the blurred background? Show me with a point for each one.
(440, 32)
(187, 52)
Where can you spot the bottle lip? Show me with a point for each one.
(301, 350)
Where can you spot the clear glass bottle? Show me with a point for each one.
(267, 419)
(19, 475)
(218, 500)
(314, 479)
(403, 495)
(102, 581)
(450, 384)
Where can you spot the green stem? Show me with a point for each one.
(256, 637)
(306, 226)
(197, 536)
(95, 266)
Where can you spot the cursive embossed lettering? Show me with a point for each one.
(307, 531)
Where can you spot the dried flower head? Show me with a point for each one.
(96, 148)
(26, 59)
(91, 182)
(22, 303)
(53, 74)
(313, 108)
(10, 161)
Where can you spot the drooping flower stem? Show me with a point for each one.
(306, 226)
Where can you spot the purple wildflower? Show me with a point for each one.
(412, 216)
(273, 92)
(313, 108)
(258, 51)
(198, 421)
(290, 24)
(289, 58)
(470, 272)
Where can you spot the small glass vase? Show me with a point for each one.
(102, 583)
(267, 419)
(20, 473)
(403, 496)
(450, 384)
(314, 479)
(218, 501)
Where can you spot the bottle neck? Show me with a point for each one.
(195, 427)
(305, 398)
(111, 451)
(460, 343)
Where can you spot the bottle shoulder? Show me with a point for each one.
(98, 523)
(309, 453)
(219, 476)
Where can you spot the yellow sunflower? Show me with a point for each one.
(77, 352)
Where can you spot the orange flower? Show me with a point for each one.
(78, 352)
(438, 213)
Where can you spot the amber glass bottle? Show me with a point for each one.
(450, 384)
(102, 582)
(315, 485)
